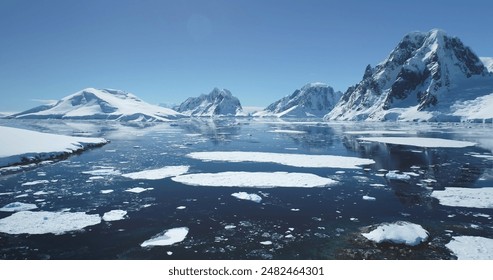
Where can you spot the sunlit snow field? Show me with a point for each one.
(255, 189)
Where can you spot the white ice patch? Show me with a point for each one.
(287, 131)
(106, 171)
(160, 173)
(379, 132)
(169, 237)
(420, 142)
(47, 222)
(369, 198)
(247, 196)
(266, 243)
(465, 197)
(471, 247)
(254, 179)
(393, 175)
(18, 206)
(114, 215)
(297, 160)
(106, 191)
(398, 233)
(138, 190)
(34, 183)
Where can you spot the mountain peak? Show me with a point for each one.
(421, 71)
(217, 102)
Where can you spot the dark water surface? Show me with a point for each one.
(329, 221)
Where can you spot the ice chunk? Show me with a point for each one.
(287, 131)
(465, 197)
(393, 175)
(33, 183)
(254, 179)
(106, 171)
(114, 215)
(420, 142)
(380, 132)
(47, 222)
(297, 160)
(138, 190)
(18, 206)
(266, 243)
(471, 247)
(370, 198)
(160, 173)
(106, 191)
(181, 207)
(247, 196)
(399, 233)
(169, 237)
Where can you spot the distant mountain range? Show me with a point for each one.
(104, 104)
(429, 76)
(219, 102)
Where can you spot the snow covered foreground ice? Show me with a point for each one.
(18, 206)
(399, 233)
(160, 173)
(465, 197)
(471, 247)
(297, 160)
(254, 179)
(169, 237)
(114, 215)
(423, 142)
(43, 222)
(17, 145)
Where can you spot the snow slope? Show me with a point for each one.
(488, 62)
(107, 104)
(23, 146)
(219, 102)
(312, 100)
(424, 78)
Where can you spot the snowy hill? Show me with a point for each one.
(312, 100)
(425, 78)
(219, 102)
(488, 63)
(107, 104)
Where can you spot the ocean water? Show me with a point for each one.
(323, 222)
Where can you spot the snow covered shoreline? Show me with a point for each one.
(20, 146)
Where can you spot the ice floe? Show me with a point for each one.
(465, 197)
(254, 179)
(169, 237)
(106, 191)
(393, 175)
(420, 142)
(47, 222)
(471, 247)
(287, 131)
(18, 206)
(105, 171)
(17, 145)
(138, 190)
(114, 215)
(297, 160)
(247, 196)
(398, 233)
(379, 132)
(160, 173)
(266, 243)
(34, 183)
(369, 198)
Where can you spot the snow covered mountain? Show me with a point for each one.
(107, 104)
(427, 77)
(219, 102)
(312, 100)
(488, 62)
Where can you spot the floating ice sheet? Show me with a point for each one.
(379, 132)
(298, 160)
(169, 237)
(34, 183)
(114, 215)
(47, 222)
(254, 179)
(471, 247)
(160, 173)
(18, 206)
(465, 197)
(105, 171)
(247, 196)
(287, 131)
(399, 233)
(420, 142)
(138, 190)
(394, 175)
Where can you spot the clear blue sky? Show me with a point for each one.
(166, 51)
